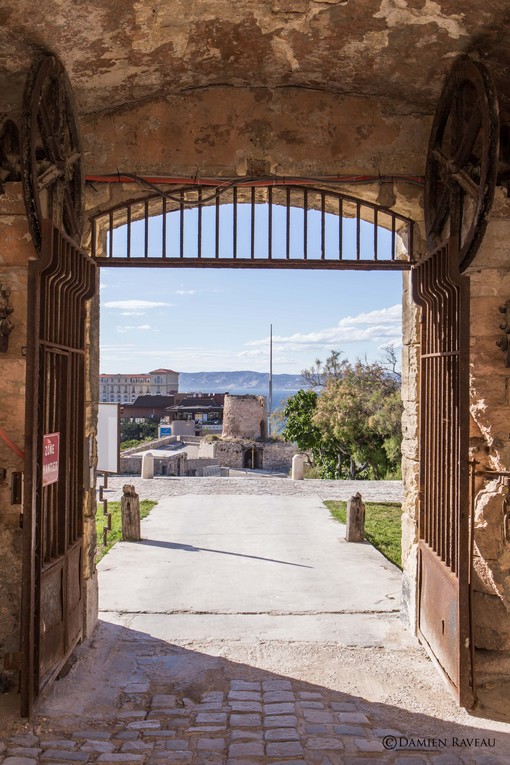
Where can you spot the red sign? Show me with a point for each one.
(50, 458)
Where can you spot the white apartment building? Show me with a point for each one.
(125, 388)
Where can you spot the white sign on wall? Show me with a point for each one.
(108, 438)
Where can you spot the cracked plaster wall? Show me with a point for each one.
(490, 433)
(220, 131)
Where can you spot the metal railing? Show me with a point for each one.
(246, 226)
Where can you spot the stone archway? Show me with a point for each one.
(392, 141)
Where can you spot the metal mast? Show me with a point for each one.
(270, 377)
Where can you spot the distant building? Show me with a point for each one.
(146, 407)
(203, 408)
(125, 388)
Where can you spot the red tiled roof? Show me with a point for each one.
(156, 371)
(126, 374)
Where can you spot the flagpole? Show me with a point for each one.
(270, 377)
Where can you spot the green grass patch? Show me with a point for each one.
(115, 533)
(383, 526)
(136, 442)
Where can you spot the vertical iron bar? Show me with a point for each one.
(234, 222)
(393, 239)
(217, 229)
(163, 227)
(287, 226)
(199, 199)
(358, 230)
(252, 221)
(323, 226)
(376, 231)
(110, 231)
(181, 221)
(340, 228)
(128, 223)
(146, 229)
(270, 223)
(305, 224)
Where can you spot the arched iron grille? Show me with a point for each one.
(273, 226)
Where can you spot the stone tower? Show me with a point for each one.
(245, 417)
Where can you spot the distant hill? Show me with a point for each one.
(223, 382)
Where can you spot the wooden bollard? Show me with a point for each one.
(355, 527)
(130, 514)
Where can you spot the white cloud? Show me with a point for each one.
(381, 326)
(133, 313)
(134, 305)
(140, 327)
(185, 292)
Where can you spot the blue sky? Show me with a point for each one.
(194, 320)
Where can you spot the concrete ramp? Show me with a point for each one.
(252, 568)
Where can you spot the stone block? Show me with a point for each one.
(284, 749)
(246, 721)
(278, 696)
(491, 623)
(277, 685)
(245, 706)
(281, 734)
(248, 749)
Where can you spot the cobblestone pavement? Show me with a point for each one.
(251, 722)
(154, 488)
(133, 698)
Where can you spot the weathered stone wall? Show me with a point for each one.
(15, 251)
(276, 455)
(490, 433)
(196, 467)
(176, 464)
(410, 467)
(244, 417)
(229, 453)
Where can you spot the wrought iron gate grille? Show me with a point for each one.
(60, 284)
(443, 579)
(273, 226)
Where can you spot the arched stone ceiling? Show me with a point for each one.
(119, 52)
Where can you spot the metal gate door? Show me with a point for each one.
(59, 284)
(443, 562)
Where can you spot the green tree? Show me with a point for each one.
(361, 410)
(300, 428)
(351, 427)
(138, 431)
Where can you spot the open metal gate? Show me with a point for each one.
(60, 283)
(443, 553)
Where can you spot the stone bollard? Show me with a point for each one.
(355, 528)
(130, 514)
(148, 465)
(298, 467)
